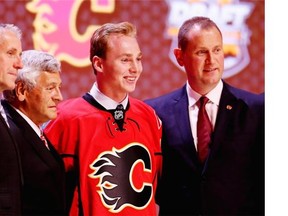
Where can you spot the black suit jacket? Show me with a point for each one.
(10, 172)
(232, 180)
(43, 170)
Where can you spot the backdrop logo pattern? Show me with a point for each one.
(229, 15)
(56, 28)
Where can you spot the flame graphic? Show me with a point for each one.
(56, 30)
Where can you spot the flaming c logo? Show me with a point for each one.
(122, 175)
(56, 31)
(56, 28)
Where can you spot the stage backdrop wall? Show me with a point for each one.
(64, 28)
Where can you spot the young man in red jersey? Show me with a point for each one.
(115, 152)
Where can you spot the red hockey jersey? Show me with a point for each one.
(118, 169)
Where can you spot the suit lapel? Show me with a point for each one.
(29, 135)
(226, 113)
(181, 116)
(4, 126)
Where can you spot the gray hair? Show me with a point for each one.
(34, 63)
(12, 28)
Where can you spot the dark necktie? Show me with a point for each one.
(119, 114)
(204, 130)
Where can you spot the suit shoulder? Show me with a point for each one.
(249, 98)
(167, 98)
(139, 105)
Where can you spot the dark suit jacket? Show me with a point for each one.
(10, 172)
(43, 170)
(232, 180)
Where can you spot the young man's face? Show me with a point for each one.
(121, 68)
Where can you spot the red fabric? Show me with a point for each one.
(118, 170)
(204, 130)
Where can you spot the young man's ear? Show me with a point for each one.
(97, 63)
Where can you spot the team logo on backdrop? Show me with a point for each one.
(229, 15)
(56, 28)
(121, 174)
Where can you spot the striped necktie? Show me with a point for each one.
(42, 137)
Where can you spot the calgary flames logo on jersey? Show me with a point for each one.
(124, 177)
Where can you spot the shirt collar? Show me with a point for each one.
(214, 95)
(105, 101)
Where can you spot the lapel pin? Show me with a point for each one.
(228, 107)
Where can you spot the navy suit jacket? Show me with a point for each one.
(232, 180)
(43, 170)
(10, 172)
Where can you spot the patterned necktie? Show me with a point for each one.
(42, 137)
(204, 130)
(3, 115)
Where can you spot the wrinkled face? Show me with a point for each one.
(203, 59)
(120, 70)
(40, 102)
(10, 60)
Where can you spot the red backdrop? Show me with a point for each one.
(160, 74)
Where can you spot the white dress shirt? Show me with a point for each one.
(104, 100)
(211, 107)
